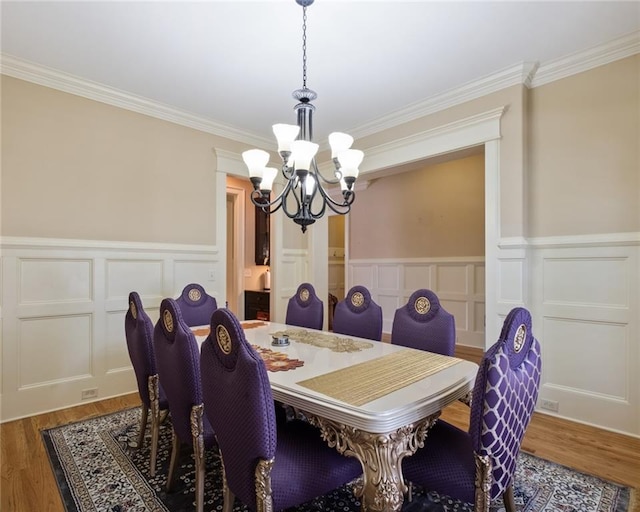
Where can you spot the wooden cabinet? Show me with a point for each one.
(262, 239)
(256, 305)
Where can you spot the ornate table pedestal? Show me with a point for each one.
(381, 455)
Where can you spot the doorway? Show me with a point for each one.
(235, 250)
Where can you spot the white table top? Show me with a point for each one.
(396, 409)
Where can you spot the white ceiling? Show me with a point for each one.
(236, 62)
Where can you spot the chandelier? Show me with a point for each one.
(304, 198)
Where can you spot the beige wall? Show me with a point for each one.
(76, 168)
(433, 212)
(87, 169)
(584, 152)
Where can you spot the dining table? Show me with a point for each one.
(371, 400)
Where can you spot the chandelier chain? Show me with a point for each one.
(304, 47)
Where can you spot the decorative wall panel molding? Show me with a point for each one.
(64, 303)
(456, 281)
(585, 304)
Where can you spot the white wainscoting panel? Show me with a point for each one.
(363, 275)
(64, 303)
(63, 280)
(454, 280)
(417, 273)
(143, 276)
(196, 271)
(510, 286)
(54, 349)
(586, 316)
(573, 281)
(587, 356)
(117, 353)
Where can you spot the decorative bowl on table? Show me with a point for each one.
(280, 341)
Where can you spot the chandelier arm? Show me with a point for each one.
(337, 174)
(256, 195)
(339, 208)
(290, 187)
(287, 172)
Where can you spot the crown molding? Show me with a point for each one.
(41, 75)
(529, 74)
(578, 62)
(520, 74)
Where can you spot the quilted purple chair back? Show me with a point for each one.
(358, 315)
(504, 396)
(178, 361)
(138, 329)
(423, 323)
(195, 305)
(305, 309)
(238, 402)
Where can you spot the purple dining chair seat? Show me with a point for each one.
(299, 463)
(305, 309)
(178, 360)
(195, 305)
(358, 315)
(422, 323)
(139, 335)
(504, 397)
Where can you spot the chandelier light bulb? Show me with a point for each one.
(256, 160)
(309, 184)
(350, 160)
(302, 152)
(339, 142)
(268, 177)
(285, 135)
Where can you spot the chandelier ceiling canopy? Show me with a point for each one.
(304, 198)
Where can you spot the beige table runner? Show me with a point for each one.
(365, 382)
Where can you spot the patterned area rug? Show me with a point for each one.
(97, 467)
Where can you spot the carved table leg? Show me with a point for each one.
(381, 455)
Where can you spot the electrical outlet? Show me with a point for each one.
(550, 405)
(247, 272)
(89, 393)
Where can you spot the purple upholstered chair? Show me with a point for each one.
(267, 467)
(178, 360)
(305, 309)
(195, 305)
(423, 323)
(479, 466)
(138, 330)
(358, 315)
